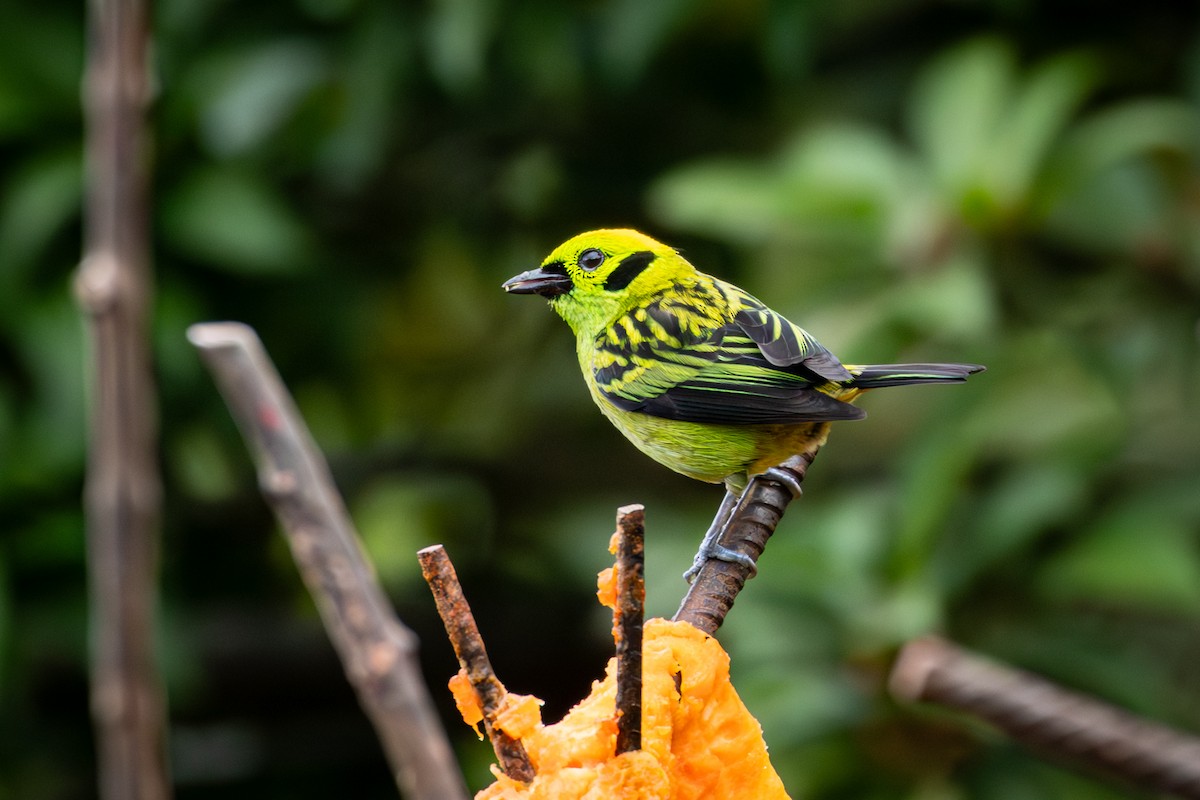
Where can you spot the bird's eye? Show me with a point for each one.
(591, 259)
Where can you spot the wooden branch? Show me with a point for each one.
(629, 616)
(718, 583)
(1048, 718)
(377, 651)
(473, 658)
(122, 492)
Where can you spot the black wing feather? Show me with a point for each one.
(712, 404)
(783, 344)
(680, 358)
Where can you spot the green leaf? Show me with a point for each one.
(459, 33)
(1119, 133)
(1044, 398)
(955, 303)
(235, 221)
(1101, 190)
(1118, 209)
(1135, 560)
(1026, 503)
(833, 184)
(1037, 117)
(41, 59)
(370, 84)
(986, 129)
(397, 515)
(249, 95)
(634, 32)
(957, 104)
(726, 198)
(38, 202)
(51, 439)
(204, 465)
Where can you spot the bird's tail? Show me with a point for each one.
(874, 376)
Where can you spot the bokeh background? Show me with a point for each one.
(1010, 182)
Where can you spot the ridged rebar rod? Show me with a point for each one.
(1048, 718)
(472, 656)
(629, 615)
(717, 584)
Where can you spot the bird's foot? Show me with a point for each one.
(720, 553)
(789, 479)
(710, 547)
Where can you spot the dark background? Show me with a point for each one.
(1013, 183)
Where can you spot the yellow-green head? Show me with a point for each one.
(594, 277)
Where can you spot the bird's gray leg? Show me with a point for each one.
(730, 505)
(708, 545)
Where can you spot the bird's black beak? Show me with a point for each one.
(550, 280)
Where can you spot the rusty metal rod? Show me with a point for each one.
(1049, 718)
(629, 615)
(473, 658)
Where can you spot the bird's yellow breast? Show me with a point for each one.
(706, 452)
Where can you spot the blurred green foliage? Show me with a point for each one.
(1003, 182)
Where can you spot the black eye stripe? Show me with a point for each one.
(630, 267)
(554, 268)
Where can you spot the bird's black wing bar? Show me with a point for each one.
(736, 404)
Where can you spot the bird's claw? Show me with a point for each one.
(789, 479)
(721, 553)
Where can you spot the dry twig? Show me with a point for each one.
(718, 583)
(473, 658)
(122, 495)
(629, 614)
(377, 651)
(1049, 718)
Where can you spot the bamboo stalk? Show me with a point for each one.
(122, 491)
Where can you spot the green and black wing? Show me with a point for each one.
(686, 357)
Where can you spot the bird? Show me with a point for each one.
(699, 374)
